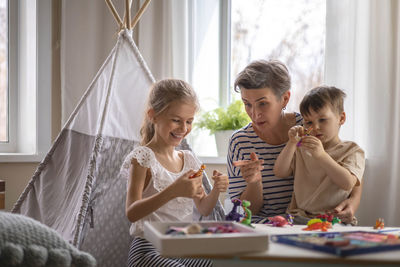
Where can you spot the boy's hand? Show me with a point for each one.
(221, 181)
(250, 169)
(295, 133)
(313, 145)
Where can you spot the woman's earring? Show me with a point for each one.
(284, 108)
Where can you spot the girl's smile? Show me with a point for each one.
(174, 124)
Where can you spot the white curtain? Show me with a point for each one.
(163, 38)
(363, 57)
(89, 31)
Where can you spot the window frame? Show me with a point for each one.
(29, 104)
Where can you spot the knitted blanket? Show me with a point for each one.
(26, 242)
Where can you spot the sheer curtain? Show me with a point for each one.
(363, 57)
(88, 33)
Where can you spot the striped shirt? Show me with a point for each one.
(277, 192)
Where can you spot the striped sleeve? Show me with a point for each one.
(277, 192)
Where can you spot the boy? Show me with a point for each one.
(325, 168)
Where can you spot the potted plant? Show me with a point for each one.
(222, 122)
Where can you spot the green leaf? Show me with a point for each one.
(231, 118)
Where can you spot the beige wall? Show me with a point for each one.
(17, 175)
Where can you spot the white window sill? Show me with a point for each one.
(213, 160)
(21, 157)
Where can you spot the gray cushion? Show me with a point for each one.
(26, 242)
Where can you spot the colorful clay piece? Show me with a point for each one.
(233, 215)
(199, 172)
(329, 218)
(379, 224)
(307, 133)
(247, 213)
(290, 218)
(195, 229)
(317, 224)
(280, 221)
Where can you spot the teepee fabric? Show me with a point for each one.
(76, 189)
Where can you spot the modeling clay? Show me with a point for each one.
(234, 215)
(307, 133)
(195, 229)
(317, 224)
(199, 172)
(247, 213)
(379, 224)
(279, 221)
(329, 218)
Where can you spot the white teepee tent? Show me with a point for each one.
(76, 189)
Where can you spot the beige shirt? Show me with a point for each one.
(314, 192)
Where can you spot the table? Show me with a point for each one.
(285, 255)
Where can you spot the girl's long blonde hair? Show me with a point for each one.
(162, 94)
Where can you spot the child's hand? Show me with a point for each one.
(250, 169)
(313, 145)
(221, 181)
(185, 186)
(295, 133)
(344, 211)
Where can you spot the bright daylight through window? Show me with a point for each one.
(3, 71)
(290, 31)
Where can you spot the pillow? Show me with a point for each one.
(26, 242)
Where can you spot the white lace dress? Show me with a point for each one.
(178, 209)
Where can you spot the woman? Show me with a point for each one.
(265, 90)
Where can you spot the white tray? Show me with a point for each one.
(247, 240)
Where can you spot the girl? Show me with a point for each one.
(160, 186)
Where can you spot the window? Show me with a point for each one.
(228, 35)
(209, 58)
(3, 71)
(290, 31)
(28, 80)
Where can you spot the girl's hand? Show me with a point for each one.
(188, 187)
(295, 133)
(250, 169)
(221, 181)
(313, 145)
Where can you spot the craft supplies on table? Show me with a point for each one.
(243, 239)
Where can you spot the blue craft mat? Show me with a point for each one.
(360, 242)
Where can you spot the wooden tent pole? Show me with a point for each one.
(139, 14)
(115, 14)
(127, 16)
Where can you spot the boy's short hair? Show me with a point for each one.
(320, 96)
(261, 74)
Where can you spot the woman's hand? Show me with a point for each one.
(348, 207)
(185, 186)
(344, 211)
(250, 169)
(221, 181)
